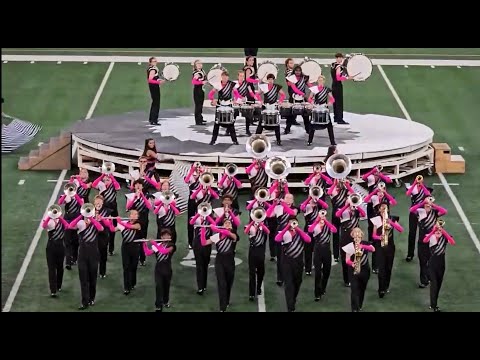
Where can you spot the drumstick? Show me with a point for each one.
(356, 74)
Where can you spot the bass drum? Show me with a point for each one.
(214, 76)
(359, 67)
(265, 68)
(312, 69)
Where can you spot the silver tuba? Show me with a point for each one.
(206, 179)
(262, 195)
(316, 192)
(87, 210)
(258, 214)
(54, 212)
(70, 189)
(277, 167)
(167, 197)
(231, 169)
(204, 209)
(355, 200)
(258, 146)
(108, 168)
(338, 166)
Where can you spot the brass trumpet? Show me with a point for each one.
(316, 192)
(206, 179)
(262, 195)
(204, 209)
(430, 200)
(338, 166)
(70, 189)
(258, 146)
(108, 168)
(87, 210)
(381, 186)
(355, 200)
(318, 167)
(54, 212)
(231, 169)
(294, 224)
(419, 179)
(440, 223)
(258, 215)
(167, 197)
(277, 167)
(197, 164)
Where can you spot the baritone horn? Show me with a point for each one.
(338, 166)
(54, 212)
(167, 197)
(277, 167)
(108, 168)
(316, 192)
(70, 189)
(231, 169)
(355, 200)
(262, 195)
(258, 214)
(204, 209)
(258, 146)
(87, 210)
(206, 179)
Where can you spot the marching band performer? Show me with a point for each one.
(427, 213)
(250, 72)
(108, 186)
(437, 240)
(84, 185)
(154, 83)
(271, 93)
(163, 251)
(417, 192)
(322, 255)
(311, 208)
(298, 82)
(151, 155)
(138, 201)
(199, 79)
(73, 202)
(260, 201)
(203, 223)
(55, 225)
(224, 240)
(227, 212)
(383, 226)
(319, 178)
(251, 52)
(193, 181)
(359, 269)
(166, 212)
(225, 94)
(257, 233)
(148, 178)
(204, 192)
(257, 175)
(289, 65)
(230, 185)
(292, 239)
(103, 236)
(88, 229)
(321, 95)
(131, 231)
(339, 74)
(349, 216)
(245, 92)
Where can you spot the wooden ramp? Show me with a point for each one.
(54, 155)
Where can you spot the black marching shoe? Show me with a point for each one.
(308, 273)
(317, 298)
(272, 259)
(347, 284)
(309, 144)
(53, 295)
(111, 253)
(336, 260)
(296, 123)
(200, 291)
(375, 271)
(435, 308)
(59, 290)
(91, 303)
(126, 292)
(82, 307)
(158, 309)
(279, 283)
(68, 267)
(167, 305)
(381, 294)
(422, 286)
(235, 143)
(142, 263)
(259, 292)
(286, 132)
(248, 133)
(342, 122)
(212, 143)
(251, 298)
(279, 143)
(409, 258)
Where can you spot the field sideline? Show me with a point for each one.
(390, 84)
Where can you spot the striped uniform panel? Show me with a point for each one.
(128, 235)
(225, 245)
(339, 200)
(301, 83)
(429, 221)
(243, 89)
(230, 189)
(260, 179)
(226, 93)
(440, 247)
(201, 75)
(72, 207)
(353, 222)
(17, 133)
(178, 185)
(323, 237)
(165, 257)
(167, 220)
(310, 217)
(89, 235)
(418, 198)
(109, 195)
(364, 260)
(57, 234)
(259, 238)
(322, 96)
(271, 96)
(294, 248)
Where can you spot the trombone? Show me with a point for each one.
(338, 166)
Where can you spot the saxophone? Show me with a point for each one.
(386, 228)
(358, 257)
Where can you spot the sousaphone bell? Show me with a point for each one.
(54, 212)
(87, 210)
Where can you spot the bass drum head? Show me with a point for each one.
(171, 72)
(214, 77)
(266, 68)
(359, 67)
(312, 69)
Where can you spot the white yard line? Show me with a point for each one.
(444, 182)
(261, 301)
(461, 148)
(440, 184)
(225, 60)
(21, 182)
(53, 198)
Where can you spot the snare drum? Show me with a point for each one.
(320, 115)
(298, 109)
(246, 110)
(285, 109)
(224, 115)
(270, 118)
(257, 109)
(308, 109)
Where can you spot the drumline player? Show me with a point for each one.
(225, 94)
(339, 74)
(299, 88)
(199, 78)
(245, 92)
(270, 97)
(319, 96)
(154, 83)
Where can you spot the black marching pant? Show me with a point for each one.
(155, 107)
(308, 252)
(358, 287)
(256, 269)
(345, 239)
(143, 220)
(230, 130)
(111, 240)
(191, 211)
(329, 127)
(291, 120)
(385, 258)
(88, 271)
(423, 259)
(71, 246)
(412, 234)
(163, 279)
(272, 244)
(437, 271)
(202, 261)
(260, 128)
(103, 239)
(337, 92)
(248, 119)
(172, 229)
(293, 275)
(225, 272)
(322, 260)
(336, 236)
(130, 264)
(198, 99)
(55, 258)
(370, 215)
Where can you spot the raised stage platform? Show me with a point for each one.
(401, 146)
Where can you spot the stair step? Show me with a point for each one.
(45, 149)
(34, 160)
(23, 163)
(34, 153)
